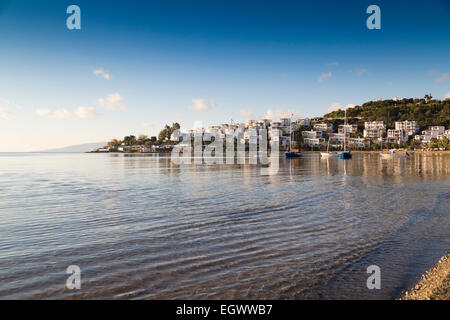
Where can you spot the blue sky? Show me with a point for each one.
(163, 61)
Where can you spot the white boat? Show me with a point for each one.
(346, 154)
(394, 153)
(328, 154)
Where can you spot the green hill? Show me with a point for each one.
(426, 113)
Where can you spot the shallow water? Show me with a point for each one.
(143, 227)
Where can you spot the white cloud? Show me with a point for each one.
(278, 114)
(246, 113)
(333, 64)
(202, 105)
(337, 106)
(324, 77)
(102, 73)
(444, 77)
(447, 96)
(360, 72)
(4, 114)
(113, 101)
(57, 114)
(86, 112)
(146, 124)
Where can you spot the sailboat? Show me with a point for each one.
(328, 154)
(346, 154)
(393, 153)
(292, 153)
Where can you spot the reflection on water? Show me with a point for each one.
(143, 227)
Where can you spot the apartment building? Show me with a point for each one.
(397, 136)
(349, 128)
(327, 127)
(411, 127)
(374, 130)
(437, 132)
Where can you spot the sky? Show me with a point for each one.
(136, 65)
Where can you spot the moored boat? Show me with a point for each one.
(328, 154)
(346, 154)
(292, 153)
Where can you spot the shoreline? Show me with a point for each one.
(434, 284)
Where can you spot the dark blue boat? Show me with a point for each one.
(292, 154)
(345, 155)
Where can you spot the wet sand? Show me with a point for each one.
(434, 284)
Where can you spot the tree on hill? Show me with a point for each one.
(426, 114)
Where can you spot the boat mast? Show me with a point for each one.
(345, 130)
(290, 132)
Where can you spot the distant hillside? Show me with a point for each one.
(78, 148)
(433, 112)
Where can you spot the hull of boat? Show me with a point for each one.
(292, 154)
(393, 155)
(345, 155)
(328, 154)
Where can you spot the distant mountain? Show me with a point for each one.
(78, 148)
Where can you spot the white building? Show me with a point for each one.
(337, 137)
(327, 127)
(411, 127)
(437, 132)
(349, 128)
(356, 142)
(313, 141)
(374, 130)
(312, 134)
(397, 136)
(304, 122)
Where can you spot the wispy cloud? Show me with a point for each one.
(324, 77)
(246, 113)
(444, 77)
(202, 105)
(4, 114)
(337, 106)
(102, 73)
(278, 114)
(333, 64)
(7, 108)
(146, 124)
(57, 114)
(86, 112)
(113, 101)
(361, 71)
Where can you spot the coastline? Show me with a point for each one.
(434, 284)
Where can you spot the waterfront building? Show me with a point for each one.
(397, 136)
(437, 132)
(313, 141)
(356, 142)
(374, 130)
(411, 127)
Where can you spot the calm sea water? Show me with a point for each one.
(142, 227)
